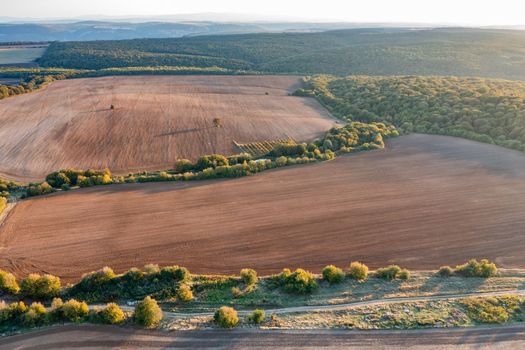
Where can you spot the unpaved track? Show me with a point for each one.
(156, 120)
(109, 337)
(423, 202)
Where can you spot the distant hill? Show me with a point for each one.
(374, 51)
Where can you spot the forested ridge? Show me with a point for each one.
(486, 110)
(380, 51)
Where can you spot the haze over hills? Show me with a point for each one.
(86, 28)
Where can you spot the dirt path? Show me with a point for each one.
(109, 337)
(335, 307)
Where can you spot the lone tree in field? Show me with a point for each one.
(217, 122)
(112, 107)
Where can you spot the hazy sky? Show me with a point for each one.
(474, 12)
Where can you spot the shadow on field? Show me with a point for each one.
(185, 131)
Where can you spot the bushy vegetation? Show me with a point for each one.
(148, 313)
(226, 317)
(333, 274)
(445, 271)
(40, 287)
(488, 310)
(257, 316)
(450, 51)
(474, 268)
(111, 314)
(28, 84)
(358, 271)
(388, 273)
(298, 282)
(105, 285)
(8, 283)
(485, 110)
(249, 276)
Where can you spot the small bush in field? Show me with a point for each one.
(36, 286)
(151, 268)
(404, 274)
(174, 273)
(99, 277)
(148, 313)
(333, 274)
(36, 315)
(257, 316)
(358, 271)
(8, 283)
(112, 314)
(445, 271)
(226, 317)
(249, 276)
(388, 273)
(300, 282)
(184, 293)
(473, 268)
(74, 310)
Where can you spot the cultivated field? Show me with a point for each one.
(156, 120)
(422, 202)
(20, 54)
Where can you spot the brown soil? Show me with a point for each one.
(111, 337)
(156, 120)
(423, 202)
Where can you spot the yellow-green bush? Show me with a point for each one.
(249, 276)
(358, 271)
(8, 283)
(148, 313)
(112, 314)
(333, 274)
(36, 286)
(226, 317)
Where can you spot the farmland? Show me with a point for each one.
(417, 203)
(14, 55)
(154, 121)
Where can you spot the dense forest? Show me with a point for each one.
(486, 110)
(380, 51)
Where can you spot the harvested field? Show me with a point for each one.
(156, 120)
(423, 202)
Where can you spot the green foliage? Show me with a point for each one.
(36, 315)
(333, 274)
(257, 316)
(175, 273)
(484, 110)
(473, 268)
(111, 314)
(211, 161)
(288, 150)
(226, 317)
(298, 282)
(445, 271)
(184, 293)
(389, 273)
(358, 271)
(73, 310)
(450, 51)
(12, 313)
(148, 313)
(486, 310)
(40, 287)
(404, 274)
(8, 283)
(249, 276)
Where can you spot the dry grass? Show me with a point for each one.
(423, 202)
(156, 120)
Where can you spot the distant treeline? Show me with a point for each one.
(452, 51)
(486, 110)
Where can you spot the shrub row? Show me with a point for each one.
(472, 268)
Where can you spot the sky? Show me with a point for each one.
(464, 12)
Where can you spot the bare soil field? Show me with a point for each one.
(423, 202)
(156, 120)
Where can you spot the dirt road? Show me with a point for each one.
(100, 337)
